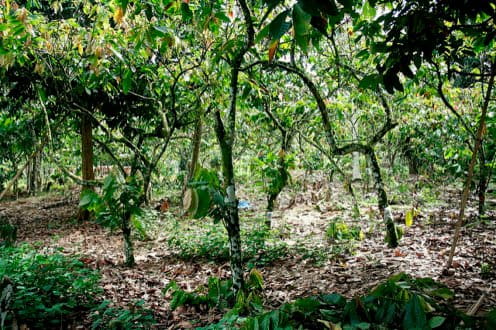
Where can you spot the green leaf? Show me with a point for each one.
(186, 12)
(370, 82)
(368, 10)
(301, 24)
(123, 4)
(204, 203)
(436, 321)
(117, 54)
(262, 34)
(278, 27)
(347, 4)
(444, 293)
(334, 299)
(415, 317)
(87, 198)
(127, 81)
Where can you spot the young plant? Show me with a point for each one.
(219, 294)
(118, 206)
(135, 317)
(274, 171)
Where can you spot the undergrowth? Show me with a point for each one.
(401, 302)
(261, 247)
(48, 288)
(209, 241)
(52, 291)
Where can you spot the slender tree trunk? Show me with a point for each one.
(392, 237)
(483, 182)
(478, 143)
(231, 221)
(282, 168)
(356, 172)
(87, 159)
(128, 243)
(195, 153)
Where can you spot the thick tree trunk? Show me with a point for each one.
(87, 159)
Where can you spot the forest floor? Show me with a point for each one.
(303, 216)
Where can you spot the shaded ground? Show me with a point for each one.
(423, 251)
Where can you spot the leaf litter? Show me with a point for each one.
(302, 218)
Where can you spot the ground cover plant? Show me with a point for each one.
(260, 164)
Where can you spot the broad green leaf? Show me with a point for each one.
(334, 299)
(415, 317)
(127, 81)
(204, 203)
(301, 24)
(278, 27)
(262, 34)
(436, 321)
(87, 198)
(444, 293)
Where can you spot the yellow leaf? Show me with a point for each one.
(272, 49)
(80, 49)
(409, 218)
(118, 15)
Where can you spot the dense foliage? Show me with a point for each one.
(198, 101)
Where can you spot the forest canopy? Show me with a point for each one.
(147, 143)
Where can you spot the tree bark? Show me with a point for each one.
(231, 220)
(483, 182)
(87, 159)
(128, 243)
(383, 204)
(195, 153)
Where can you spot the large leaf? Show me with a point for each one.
(272, 49)
(278, 27)
(415, 317)
(301, 25)
(204, 203)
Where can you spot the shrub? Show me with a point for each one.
(401, 302)
(136, 317)
(49, 289)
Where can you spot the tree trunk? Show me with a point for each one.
(231, 220)
(391, 236)
(483, 182)
(195, 153)
(87, 159)
(128, 243)
(282, 168)
(356, 172)
(478, 143)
